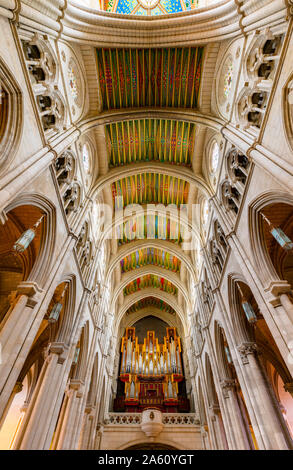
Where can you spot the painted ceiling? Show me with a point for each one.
(169, 77)
(148, 7)
(149, 188)
(151, 302)
(149, 226)
(148, 140)
(150, 280)
(153, 256)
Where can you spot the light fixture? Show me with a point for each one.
(57, 307)
(76, 356)
(247, 307)
(283, 240)
(27, 237)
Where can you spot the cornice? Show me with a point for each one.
(110, 29)
(73, 22)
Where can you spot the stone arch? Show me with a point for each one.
(64, 334)
(39, 272)
(164, 245)
(11, 115)
(93, 386)
(239, 329)
(132, 445)
(264, 265)
(139, 272)
(220, 353)
(168, 298)
(81, 366)
(118, 173)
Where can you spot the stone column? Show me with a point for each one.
(272, 435)
(16, 389)
(40, 420)
(205, 438)
(215, 413)
(87, 428)
(237, 425)
(69, 415)
(14, 334)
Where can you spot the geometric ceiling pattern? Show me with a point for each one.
(147, 256)
(149, 188)
(149, 226)
(169, 77)
(145, 140)
(150, 302)
(149, 7)
(150, 280)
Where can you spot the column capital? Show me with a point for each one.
(75, 384)
(245, 349)
(28, 288)
(61, 349)
(226, 385)
(277, 288)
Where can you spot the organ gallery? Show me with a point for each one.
(146, 225)
(151, 373)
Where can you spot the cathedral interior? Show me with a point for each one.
(146, 225)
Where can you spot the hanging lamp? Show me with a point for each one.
(279, 235)
(27, 237)
(247, 307)
(76, 356)
(57, 307)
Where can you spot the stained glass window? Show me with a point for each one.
(72, 81)
(149, 7)
(228, 78)
(215, 156)
(205, 212)
(85, 158)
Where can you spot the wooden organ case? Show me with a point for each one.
(151, 374)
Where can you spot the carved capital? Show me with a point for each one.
(245, 349)
(226, 385)
(76, 384)
(28, 288)
(59, 348)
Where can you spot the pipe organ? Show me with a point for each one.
(151, 373)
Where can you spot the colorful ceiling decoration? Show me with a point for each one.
(152, 256)
(149, 188)
(150, 77)
(151, 302)
(150, 280)
(149, 226)
(149, 7)
(148, 140)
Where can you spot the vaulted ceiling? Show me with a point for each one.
(146, 160)
(136, 78)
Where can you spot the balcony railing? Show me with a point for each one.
(169, 419)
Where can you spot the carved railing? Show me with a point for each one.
(172, 419)
(180, 419)
(123, 418)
